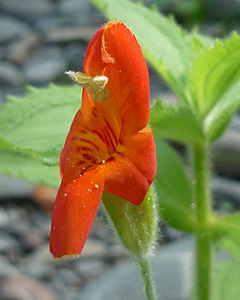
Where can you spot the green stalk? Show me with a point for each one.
(147, 279)
(203, 211)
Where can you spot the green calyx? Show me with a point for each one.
(135, 224)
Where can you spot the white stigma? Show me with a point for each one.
(95, 85)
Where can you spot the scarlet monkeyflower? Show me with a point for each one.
(109, 147)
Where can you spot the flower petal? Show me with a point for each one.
(115, 53)
(90, 141)
(74, 211)
(130, 174)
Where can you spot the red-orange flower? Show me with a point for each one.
(110, 146)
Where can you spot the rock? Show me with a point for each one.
(12, 28)
(93, 248)
(48, 23)
(75, 55)
(2, 98)
(23, 288)
(17, 218)
(64, 282)
(22, 49)
(9, 74)
(28, 9)
(4, 219)
(45, 197)
(159, 88)
(64, 35)
(90, 267)
(75, 11)
(115, 253)
(3, 53)
(172, 272)
(226, 151)
(224, 10)
(227, 190)
(7, 269)
(7, 244)
(39, 264)
(32, 239)
(7, 91)
(47, 65)
(13, 187)
(42, 221)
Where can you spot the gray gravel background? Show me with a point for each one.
(39, 41)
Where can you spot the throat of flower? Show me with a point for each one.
(95, 85)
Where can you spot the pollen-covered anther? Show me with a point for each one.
(95, 85)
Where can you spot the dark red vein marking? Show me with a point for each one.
(98, 134)
(82, 148)
(119, 153)
(111, 130)
(86, 141)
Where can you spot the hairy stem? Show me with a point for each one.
(203, 211)
(147, 279)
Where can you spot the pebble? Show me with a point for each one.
(3, 53)
(23, 288)
(47, 65)
(224, 10)
(10, 74)
(7, 244)
(90, 268)
(8, 90)
(20, 50)
(39, 264)
(18, 187)
(66, 282)
(32, 239)
(50, 22)
(7, 269)
(75, 55)
(227, 189)
(71, 34)
(93, 248)
(4, 219)
(11, 216)
(75, 12)
(27, 9)
(172, 271)
(12, 28)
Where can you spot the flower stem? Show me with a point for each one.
(203, 211)
(147, 279)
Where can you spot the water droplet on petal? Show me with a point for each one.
(65, 194)
(96, 186)
(89, 190)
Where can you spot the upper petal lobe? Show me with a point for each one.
(115, 53)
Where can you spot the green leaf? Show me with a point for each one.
(226, 230)
(226, 281)
(38, 123)
(200, 41)
(174, 192)
(219, 117)
(213, 72)
(163, 42)
(23, 166)
(177, 122)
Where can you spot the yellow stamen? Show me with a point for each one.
(95, 85)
